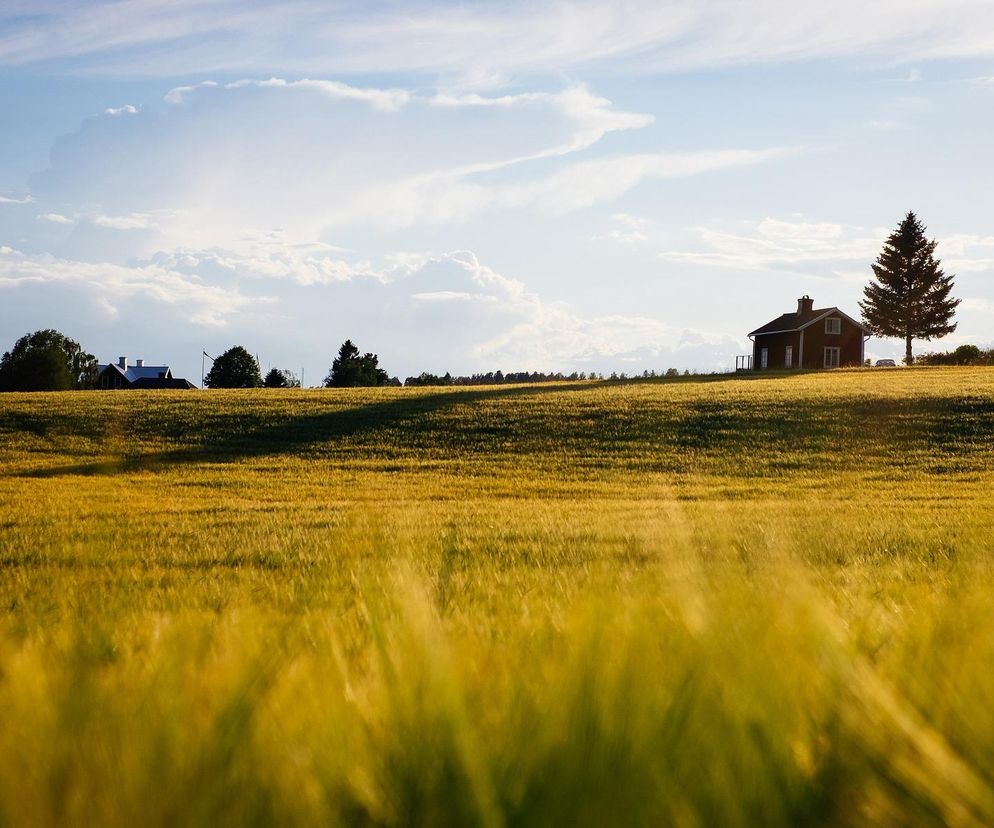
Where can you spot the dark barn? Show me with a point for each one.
(809, 338)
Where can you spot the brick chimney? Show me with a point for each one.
(122, 363)
(805, 304)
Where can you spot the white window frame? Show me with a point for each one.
(764, 358)
(833, 326)
(788, 359)
(832, 350)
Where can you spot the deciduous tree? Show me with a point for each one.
(235, 368)
(47, 361)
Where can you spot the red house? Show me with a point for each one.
(809, 338)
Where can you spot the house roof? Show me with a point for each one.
(133, 373)
(789, 322)
(162, 382)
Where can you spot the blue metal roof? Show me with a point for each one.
(133, 372)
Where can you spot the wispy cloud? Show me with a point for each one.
(385, 99)
(132, 221)
(178, 94)
(55, 218)
(479, 40)
(773, 244)
(462, 143)
(127, 109)
(626, 229)
(28, 199)
(819, 249)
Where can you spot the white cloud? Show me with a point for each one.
(775, 244)
(425, 311)
(384, 99)
(178, 94)
(301, 264)
(514, 327)
(55, 218)
(127, 109)
(980, 305)
(8, 200)
(819, 249)
(311, 170)
(605, 179)
(134, 221)
(448, 196)
(478, 40)
(627, 229)
(109, 283)
(966, 253)
(446, 296)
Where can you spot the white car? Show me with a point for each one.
(885, 363)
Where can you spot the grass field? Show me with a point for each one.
(706, 601)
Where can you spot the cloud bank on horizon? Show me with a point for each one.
(467, 187)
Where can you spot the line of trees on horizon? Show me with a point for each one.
(520, 377)
(909, 297)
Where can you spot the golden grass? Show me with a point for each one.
(697, 602)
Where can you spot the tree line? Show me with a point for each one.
(521, 377)
(237, 368)
(963, 355)
(909, 297)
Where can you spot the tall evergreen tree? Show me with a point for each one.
(281, 378)
(910, 296)
(350, 369)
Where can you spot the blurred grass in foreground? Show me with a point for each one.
(738, 602)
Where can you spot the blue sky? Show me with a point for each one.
(474, 186)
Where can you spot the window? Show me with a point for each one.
(831, 357)
(764, 357)
(788, 361)
(833, 326)
(104, 382)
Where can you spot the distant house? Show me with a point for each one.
(809, 338)
(138, 376)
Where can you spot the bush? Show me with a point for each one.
(963, 355)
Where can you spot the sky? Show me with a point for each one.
(472, 186)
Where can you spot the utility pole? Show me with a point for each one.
(203, 353)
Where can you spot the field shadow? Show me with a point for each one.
(695, 429)
(300, 432)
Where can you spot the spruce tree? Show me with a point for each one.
(350, 369)
(910, 297)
